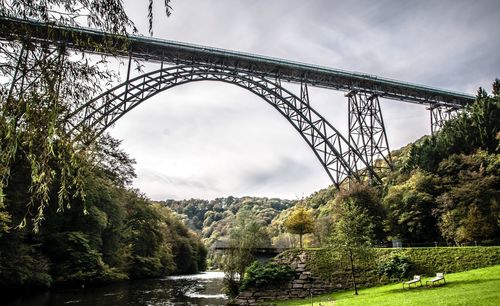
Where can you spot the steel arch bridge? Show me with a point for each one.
(356, 156)
(329, 146)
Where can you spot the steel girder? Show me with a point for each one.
(157, 50)
(440, 114)
(329, 146)
(367, 130)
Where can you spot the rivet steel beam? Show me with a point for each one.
(367, 130)
(172, 52)
(329, 146)
(439, 115)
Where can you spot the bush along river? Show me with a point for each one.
(196, 289)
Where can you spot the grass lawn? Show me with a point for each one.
(475, 287)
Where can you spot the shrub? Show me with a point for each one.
(268, 275)
(395, 265)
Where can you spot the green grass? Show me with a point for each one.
(474, 287)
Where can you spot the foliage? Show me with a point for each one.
(423, 261)
(246, 234)
(268, 275)
(351, 240)
(395, 265)
(446, 187)
(66, 213)
(22, 265)
(120, 234)
(213, 219)
(364, 197)
(409, 207)
(4, 220)
(467, 210)
(299, 222)
(41, 86)
(475, 128)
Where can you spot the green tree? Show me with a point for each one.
(247, 234)
(300, 222)
(409, 208)
(4, 220)
(496, 88)
(351, 240)
(468, 208)
(41, 85)
(367, 197)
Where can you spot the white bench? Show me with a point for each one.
(416, 279)
(439, 277)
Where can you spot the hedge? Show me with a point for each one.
(424, 261)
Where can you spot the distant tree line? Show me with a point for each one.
(214, 219)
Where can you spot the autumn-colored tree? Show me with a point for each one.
(300, 222)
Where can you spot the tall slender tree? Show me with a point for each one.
(351, 240)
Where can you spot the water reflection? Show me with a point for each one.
(197, 289)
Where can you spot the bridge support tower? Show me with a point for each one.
(367, 130)
(440, 114)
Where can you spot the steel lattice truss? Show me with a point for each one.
(329, 146)
(367, 130)
(355, 158)
(440, 114)
(174, 52)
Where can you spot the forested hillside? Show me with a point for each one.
(444, 188)
(213, 219)
(116, 233)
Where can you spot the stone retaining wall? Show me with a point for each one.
(303, 285)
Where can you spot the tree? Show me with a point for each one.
(41, 85)
(468, 208)
(300, 222)
(351, 240)
(410, 206)
(246, 234)
(496, 88)
(367, 197)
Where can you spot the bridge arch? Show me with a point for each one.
(329, 146)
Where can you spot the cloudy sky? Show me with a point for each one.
(208, 139)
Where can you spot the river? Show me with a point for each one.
(197, 289)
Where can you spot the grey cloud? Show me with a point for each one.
(209, 139)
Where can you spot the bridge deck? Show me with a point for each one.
(152, 49)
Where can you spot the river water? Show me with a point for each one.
(197, 289)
